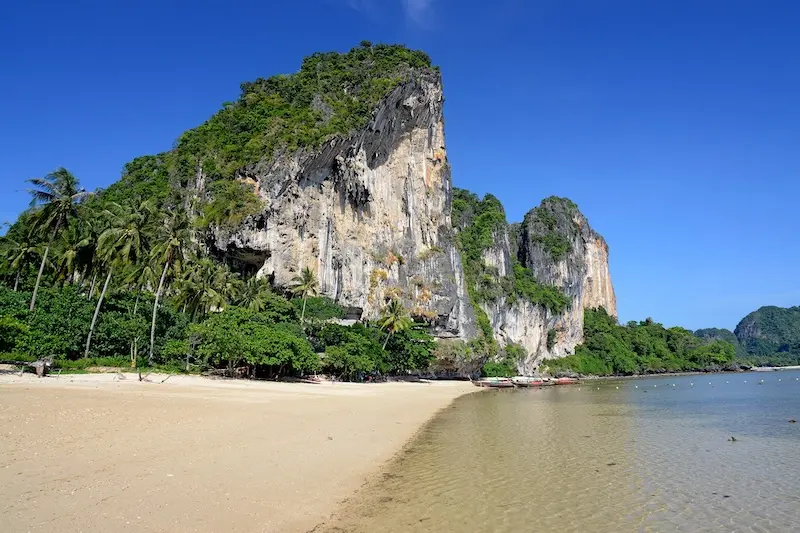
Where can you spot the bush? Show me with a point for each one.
(353, 359)
(319, 308)
(83, 364)
(238, 337)
(12, 333)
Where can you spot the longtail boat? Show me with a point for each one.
(566, 381)
(495, 383)
(528, 381)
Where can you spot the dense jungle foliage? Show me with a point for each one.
(91, 282)
(640, 348)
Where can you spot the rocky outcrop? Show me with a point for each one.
(370, 214)
(557, 245)
(769, 330)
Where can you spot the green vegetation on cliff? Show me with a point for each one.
(122, 284)
(481, 224)
(721, 334)
(771, 336)
(547, 231)
(769, 330)
(640, 348)
(332, 94)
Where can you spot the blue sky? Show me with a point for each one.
(674, 124)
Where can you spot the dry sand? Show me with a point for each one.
(94, 453)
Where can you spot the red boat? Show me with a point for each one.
(566, 381)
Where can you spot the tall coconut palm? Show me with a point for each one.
(57, 196)
(172, 240)
(394, 319)
(306, 284)
(125, 242)
(67, 253)
(138, 276)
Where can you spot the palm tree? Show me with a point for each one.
(306, 284)
(394, 319)
(17, 255)
(124, 243)
(58, 195)
(228, 284)
(170, 250)
(254, 293)
(67, 252)
(208, 286)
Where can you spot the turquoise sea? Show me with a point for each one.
(651, 454)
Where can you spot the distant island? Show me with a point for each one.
(312, 226)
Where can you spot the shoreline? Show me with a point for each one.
(98, 453)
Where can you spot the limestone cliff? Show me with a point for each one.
(369, 207)
(560, 248)
(548, 269)
(369, 213)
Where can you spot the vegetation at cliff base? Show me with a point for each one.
(640, 348)
(124, 284)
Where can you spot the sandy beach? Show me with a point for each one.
(98, 453)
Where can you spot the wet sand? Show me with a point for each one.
(94, 453)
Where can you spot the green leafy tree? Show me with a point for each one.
(306, 285)
(56, 197)
(238, 336)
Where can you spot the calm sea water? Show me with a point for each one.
(636, 455)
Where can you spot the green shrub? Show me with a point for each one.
(319, 308)
(83, 364)
(12, 333)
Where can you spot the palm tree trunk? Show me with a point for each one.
(39, 278)
(16, 281)
(91, 288)
(303, 313)
(386, 340)
(155, 310)
(96, 313)
(134, 347)
(41, 267)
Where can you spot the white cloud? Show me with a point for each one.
(359, 5)
(417, 10)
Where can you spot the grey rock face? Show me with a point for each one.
(370, 214)
(559, 247)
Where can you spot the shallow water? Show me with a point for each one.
(635, 455)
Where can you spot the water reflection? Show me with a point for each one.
(642, 457)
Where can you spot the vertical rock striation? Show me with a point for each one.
(370, 214)
(557, 250)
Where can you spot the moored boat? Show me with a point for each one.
(528, 381)
(566, 381)
(496, 383)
